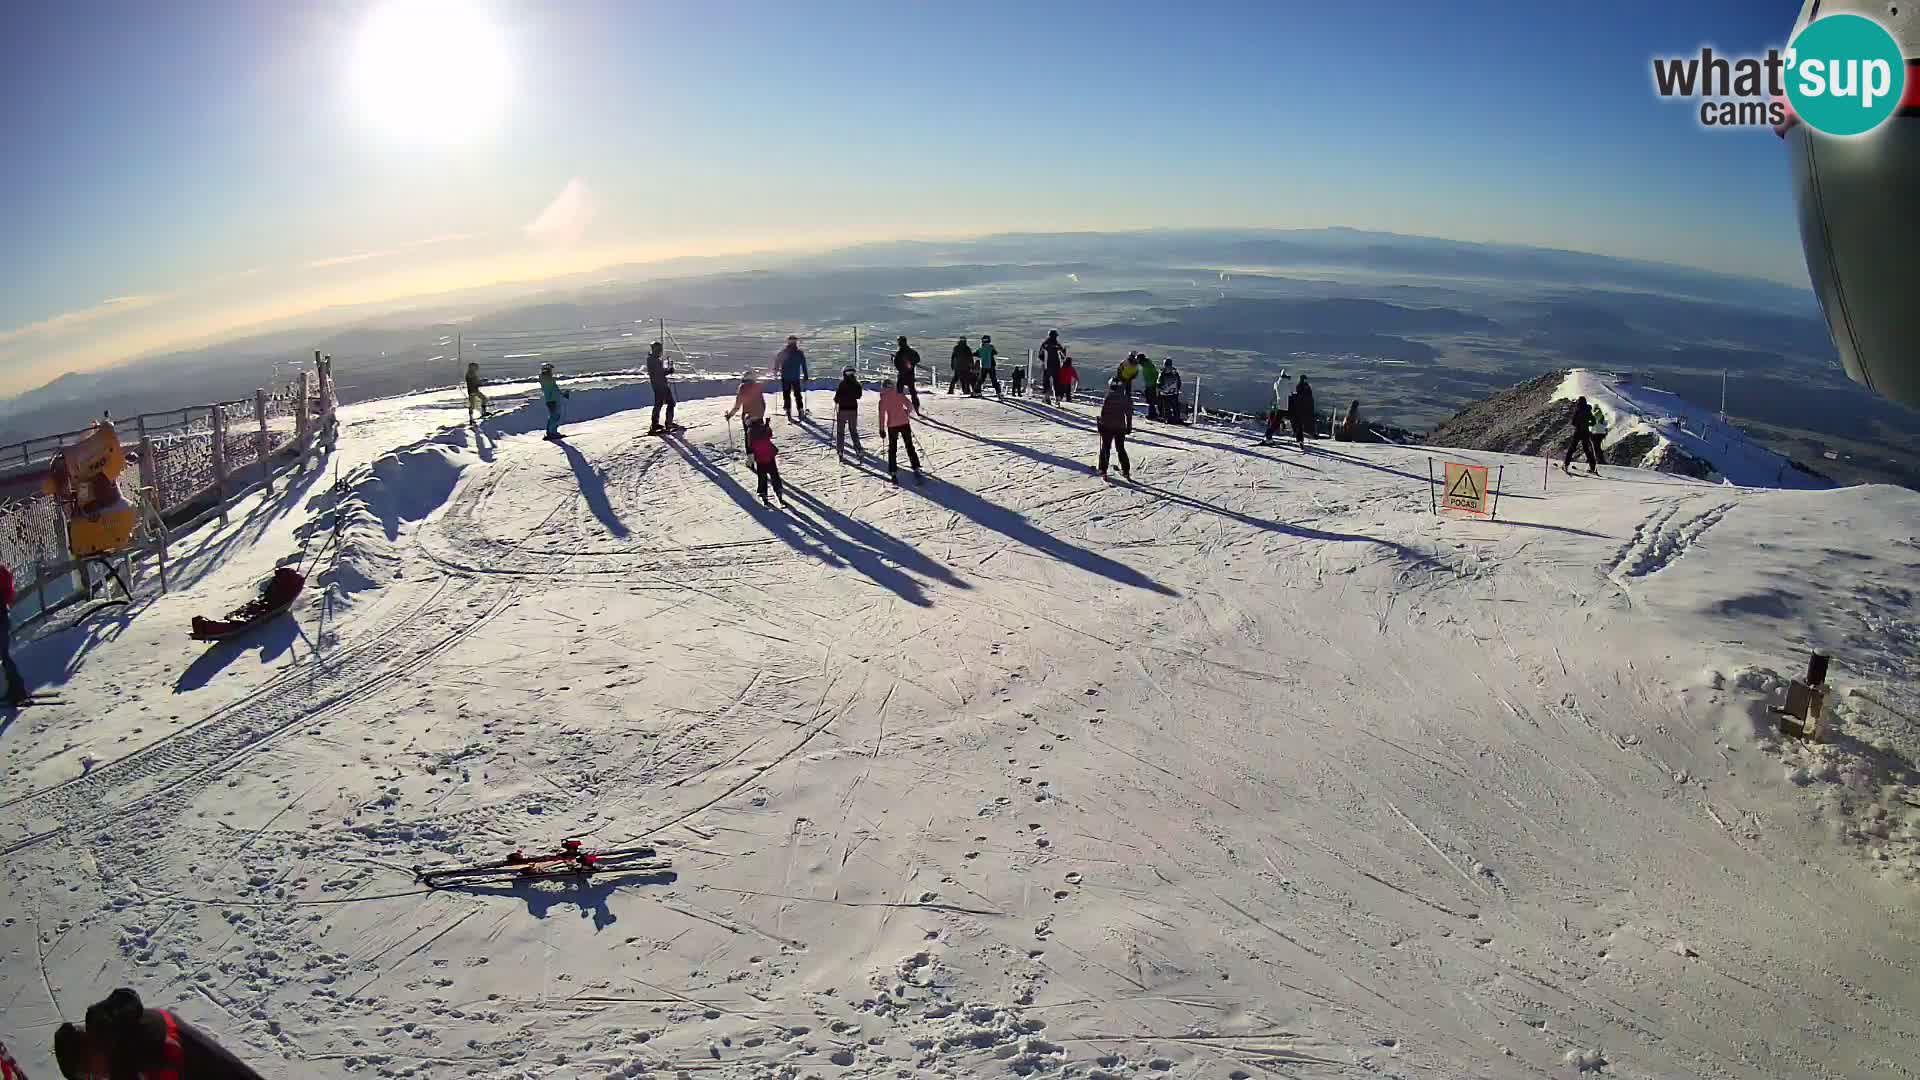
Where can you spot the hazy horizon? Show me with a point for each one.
(247, 165)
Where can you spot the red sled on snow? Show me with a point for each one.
(277, 594)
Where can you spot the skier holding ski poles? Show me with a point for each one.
(760, 446)
(750, 402)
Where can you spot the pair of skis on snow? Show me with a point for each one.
(570, 860)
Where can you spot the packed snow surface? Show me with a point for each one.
(1252, 766)
(1677, 424)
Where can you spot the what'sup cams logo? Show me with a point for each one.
(1841, 75)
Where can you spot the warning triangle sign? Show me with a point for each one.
(1463, 487)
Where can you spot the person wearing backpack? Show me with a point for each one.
(16, 687)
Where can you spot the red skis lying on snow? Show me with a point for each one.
(571, 859)
(277, 594)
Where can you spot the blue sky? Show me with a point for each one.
(176, 171)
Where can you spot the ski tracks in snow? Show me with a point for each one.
(1662, 539)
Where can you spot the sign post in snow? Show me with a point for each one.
(1464, 488)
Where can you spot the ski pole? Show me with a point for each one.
(730, 435)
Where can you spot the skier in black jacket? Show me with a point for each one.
(125, 1040)
(1051, 352)
(1582, 439)
(905, 360)
(962, 363)
(1304, 416)
(846, 417)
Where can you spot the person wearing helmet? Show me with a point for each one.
(984, 358)
(1129, 368)
(961, 365)
(905, 360)
(550, 390)
(1116, 421)
(1170, 407)
(846, 417)
(791, 363)
(751, 402)
(1069, 378)
(760, 447)
(657, 371)
(1051, 352)
(1150, 383)
(475, 399)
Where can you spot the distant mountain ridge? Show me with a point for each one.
(1646, 428)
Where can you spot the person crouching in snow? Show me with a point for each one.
(550, 390)
(750, 402)
(124, 1039)
(895, 420)
(760, 445)
(1116, 422)
(846, 417)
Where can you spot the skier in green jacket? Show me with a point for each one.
(550, 390)
(984, 372)
(1150, 378)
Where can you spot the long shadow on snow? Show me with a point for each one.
(809, 539)
(589, 895)
(1040, 456)
(273, 638)
(1139, 436)
(593, 488)
(1013, 525)
(881, 548)
(1267, 525)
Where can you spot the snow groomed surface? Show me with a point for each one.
(1249, 767)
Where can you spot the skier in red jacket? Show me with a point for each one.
(760, 445)
(16, 688)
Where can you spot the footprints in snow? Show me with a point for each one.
(1660, 540)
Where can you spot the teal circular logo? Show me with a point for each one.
(1845, 74)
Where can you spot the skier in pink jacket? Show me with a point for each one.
(896, 414)
(750, 402)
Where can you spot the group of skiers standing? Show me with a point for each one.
(1298, 409)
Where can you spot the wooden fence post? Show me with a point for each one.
(265, 448)
(220, 458)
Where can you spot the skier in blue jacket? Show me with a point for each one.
(550, 390)
(792, 365)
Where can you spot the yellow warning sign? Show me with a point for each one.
(1466, 488)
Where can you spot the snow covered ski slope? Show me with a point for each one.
(1249, 767)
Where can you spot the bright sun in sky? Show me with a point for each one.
(431, 70)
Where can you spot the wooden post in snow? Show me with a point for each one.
(265, 447)
(219, 419)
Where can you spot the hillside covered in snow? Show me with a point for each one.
(1253, 766)
(1646, 428)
